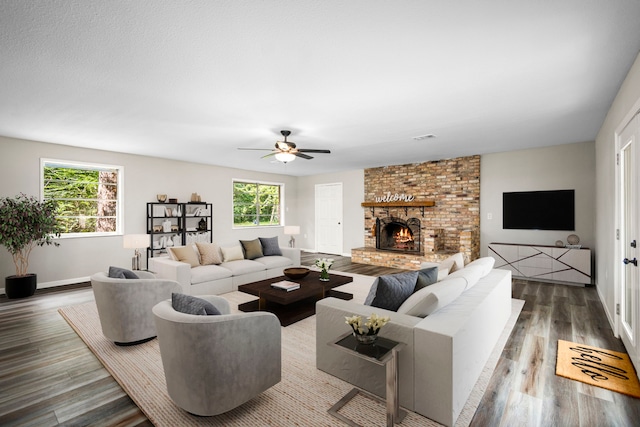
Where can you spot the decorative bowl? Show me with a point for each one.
(296, 272)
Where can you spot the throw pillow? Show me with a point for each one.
(432, 298)
(209, 253)
(426, 277)
(121, 273)
(453, 263)
(232, 253)
(252, 248)
(372, 293)
(270, 246)
(471, 275)
(394, 289)
(486, 263)
(192, 305)
(186, 254)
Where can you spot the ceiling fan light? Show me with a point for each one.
(285, 157)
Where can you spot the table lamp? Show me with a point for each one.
(291, 230)
(135, 241)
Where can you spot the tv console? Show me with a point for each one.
(540, 262)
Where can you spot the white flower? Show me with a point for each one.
(373, 325)
(324, 263)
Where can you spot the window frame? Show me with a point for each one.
(257, 182)
(90, 166)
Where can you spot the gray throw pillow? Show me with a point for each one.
(270, 246)
(426, 277)
(192, 305)
(121, 273)
(252, 248)
(372, 293)
(394, 289)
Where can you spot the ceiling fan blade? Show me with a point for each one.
(311, 150)
(256, 149)
(273, 153)
(304, 156)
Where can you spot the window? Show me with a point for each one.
(256, 204)
(88, 196)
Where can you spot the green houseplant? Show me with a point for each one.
(25, 222)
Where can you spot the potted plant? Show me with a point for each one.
(25, 222)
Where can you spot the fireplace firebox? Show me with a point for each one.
(396, 234)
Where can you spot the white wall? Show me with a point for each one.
(352, 197)
(144, 177)
(627, 97)
(561, 167)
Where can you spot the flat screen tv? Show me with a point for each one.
(539, 210)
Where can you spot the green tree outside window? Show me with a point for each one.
(256, 204)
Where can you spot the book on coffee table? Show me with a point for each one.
(286, 285)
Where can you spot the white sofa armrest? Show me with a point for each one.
(166, 268)
(293, 254)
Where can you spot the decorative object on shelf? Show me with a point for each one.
(176, 240)
(174, 227)
(296, 272)
(174, 212)
(135, 241)
(26, 223)
(324, 264)
(167, 212)
(367, 333)
(173, 200)
(195, 198)
(157, 228)
(179, 211)
(161, 198)
(166, 226)
(559, 243)
(292, 230)
(202, 224)
(168, 242)
(573, 239)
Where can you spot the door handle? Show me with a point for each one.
(633, 244)
(630, 261)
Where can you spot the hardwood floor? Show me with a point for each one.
(48, 377)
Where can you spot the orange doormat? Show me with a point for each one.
(596, 366)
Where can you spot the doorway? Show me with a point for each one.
(328, 199)
(628, 300)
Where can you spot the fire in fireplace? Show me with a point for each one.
(396, 234)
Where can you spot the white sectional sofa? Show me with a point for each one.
(445, 351)
(200, 278)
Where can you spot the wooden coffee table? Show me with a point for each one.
(296, 305)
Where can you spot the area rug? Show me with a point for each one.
(302, 398)
(596, 366)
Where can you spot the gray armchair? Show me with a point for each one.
(124, 305)
(213, 364)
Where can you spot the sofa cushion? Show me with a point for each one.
(232, 253)
(432, 298)
(243, 266)
(372, 292)
(486, 263)
(252, 248)
(426, 276)
(274, 261)
(453, 263)
(270, 246)
(393, 289)
(186, 254)
(470, 274)
(121, 273)
(207, 273)
(192, 305)
(209, 253)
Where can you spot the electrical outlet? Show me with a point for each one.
(489, 215)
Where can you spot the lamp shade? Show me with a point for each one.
(285, 157)
(135, 241)
(291, 229)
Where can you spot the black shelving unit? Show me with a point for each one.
(186, 222)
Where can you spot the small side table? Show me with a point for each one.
(384, 353)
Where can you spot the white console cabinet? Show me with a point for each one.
(543, 262)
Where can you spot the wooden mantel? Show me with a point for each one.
(406, 205)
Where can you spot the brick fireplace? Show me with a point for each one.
(421, 212)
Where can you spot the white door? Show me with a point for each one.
(629, 239)
(329, 218)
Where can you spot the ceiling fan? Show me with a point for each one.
(286, 151)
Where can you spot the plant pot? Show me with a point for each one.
(20, 286)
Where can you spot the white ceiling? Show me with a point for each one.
(196, 80)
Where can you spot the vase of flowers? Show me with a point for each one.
(324, 264)
(367, 333)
